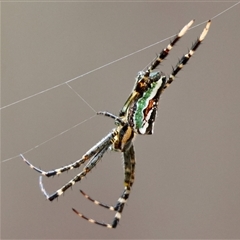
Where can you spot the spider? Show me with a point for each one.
(136, 117)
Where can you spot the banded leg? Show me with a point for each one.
(106, 141)
(183, 61)
(129, 167)
(108, 206)
(164, 53)
(91, 164)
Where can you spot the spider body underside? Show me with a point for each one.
(136, 117)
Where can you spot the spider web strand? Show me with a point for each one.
(59, 134)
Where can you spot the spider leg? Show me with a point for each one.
(91, 164)
(108, 114)
(164, 53)
(97, 202)
(106, 141)
(183, 61)
(108, 206)
(129, 167)
(57, 171)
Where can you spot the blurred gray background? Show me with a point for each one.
(187, 174)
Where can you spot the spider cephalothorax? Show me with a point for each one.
(136, 117)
